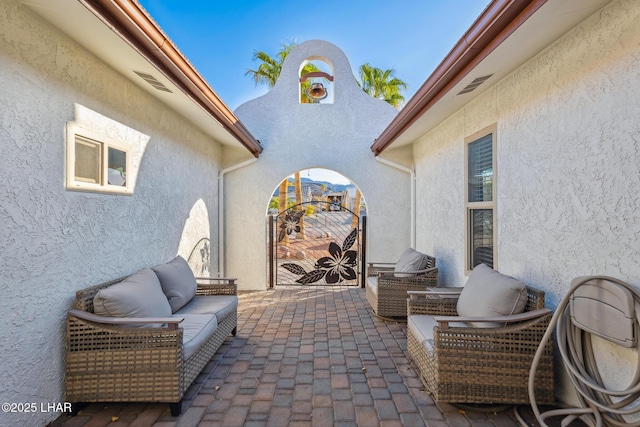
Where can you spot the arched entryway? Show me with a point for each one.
(316, 231)
(297, 136)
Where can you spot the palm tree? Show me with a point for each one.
(382, 84)
(282, 203)
(298, 186)
(269, 69)
(356, 209)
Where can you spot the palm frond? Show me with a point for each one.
(270, 68)
(382, 84)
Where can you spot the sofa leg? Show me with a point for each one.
(176, 408)
(75, 408)
(235, 331)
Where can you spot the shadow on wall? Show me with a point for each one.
(195, 241)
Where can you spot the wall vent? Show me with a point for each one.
(153, 81)
(474, 84)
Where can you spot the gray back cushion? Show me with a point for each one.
(139, 295)
(410, 260)
(177, 281)
(488, 293)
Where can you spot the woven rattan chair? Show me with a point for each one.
(387, 289)
(461, 363)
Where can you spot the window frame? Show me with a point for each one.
(470, 207)
(73, 132)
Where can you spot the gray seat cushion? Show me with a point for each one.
(410, 260)
(178, 282)
(218, 305)
(139, 295)
(421, 325)
(197, 328)
(488, 293)
(372, 283)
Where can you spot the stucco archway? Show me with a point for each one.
(316, 230)
(297, 136)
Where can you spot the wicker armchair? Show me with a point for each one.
(461, 363)
(386, 289)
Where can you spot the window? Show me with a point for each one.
(96, 162)
(480, 203)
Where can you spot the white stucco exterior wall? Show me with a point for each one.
(56, 241)
(298, 136)
(568, 167)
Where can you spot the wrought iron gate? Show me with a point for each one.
(317, 243)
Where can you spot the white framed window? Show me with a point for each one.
(480, 200)
(96, 162)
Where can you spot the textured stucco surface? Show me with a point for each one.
(568, 172)
(298, 136)
(56, 241)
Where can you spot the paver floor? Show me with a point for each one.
(303, 356)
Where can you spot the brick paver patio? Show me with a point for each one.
(303, 356)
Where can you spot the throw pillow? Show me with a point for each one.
(489, 293)
(177, 281)
(410, 260)
(139, 295)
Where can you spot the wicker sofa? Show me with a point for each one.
(146, 337)
(476, 344)
(388, 283)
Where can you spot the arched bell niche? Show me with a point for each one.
(316, 81)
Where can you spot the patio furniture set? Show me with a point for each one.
(470, 345)
(146, 337)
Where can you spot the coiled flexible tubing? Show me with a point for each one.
(578, 357)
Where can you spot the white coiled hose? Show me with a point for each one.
(578, 357)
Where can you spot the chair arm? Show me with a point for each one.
(121, 351)
(231, 280)
(431, 293)
(411, 281)
(216, 286)
(172, 322)
(381, 264)
(434, 293)
(443, 321)
(432, 302)
(373, 268)
(404, 274)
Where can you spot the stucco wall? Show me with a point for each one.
(298, 136)
(568, 164)
(56, 241)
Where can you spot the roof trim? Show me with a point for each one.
(496, 23)
(136, 27)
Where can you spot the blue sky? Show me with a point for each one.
(219, 37)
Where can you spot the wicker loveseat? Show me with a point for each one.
(483, 357)
(388, 283)
(146, 337)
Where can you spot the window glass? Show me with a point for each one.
(87, 164)
(117, 167)
(481, 170)
(480, 201)
(481, 237)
